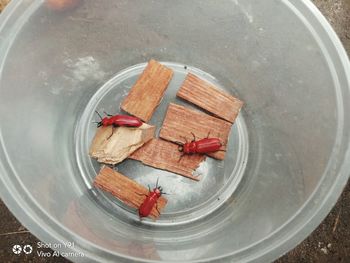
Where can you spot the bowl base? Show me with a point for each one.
(188, 200)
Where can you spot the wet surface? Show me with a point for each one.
(330, 242)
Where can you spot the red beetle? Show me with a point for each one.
(117, 121)
(150, 201)
(206, 145)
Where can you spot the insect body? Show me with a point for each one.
(150, 201)
(119, 120)
(206, 145)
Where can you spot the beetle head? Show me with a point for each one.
(187, 148)
(104, 122)
(158, 190)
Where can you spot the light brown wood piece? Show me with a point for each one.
(166, 156)
(3, 4)
(210, 98)
(148, 91)
(121, 144)
(61, 5)
(125, 189)
(181, 121)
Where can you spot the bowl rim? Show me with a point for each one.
(279, 242)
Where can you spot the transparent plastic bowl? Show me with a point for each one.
(289, 152)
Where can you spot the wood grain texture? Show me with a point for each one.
(125, 189)
(148, 91)
(124, 141)
(3, 4)
(210, 98)
(181, 121)
(165, 155)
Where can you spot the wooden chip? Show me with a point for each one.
(166, 156)
(146, 94)
(125, 189)
(121, 144)
(210, 98)
(61, 5)
(3, 4)
(180, 122)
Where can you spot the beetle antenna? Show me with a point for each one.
(179, 143)
(99, 114)
(157, 182)
(109, 115)
(223, 144)
(194, 137)
(157, 209)
(185, 139)
(208, 134)
(182, 155)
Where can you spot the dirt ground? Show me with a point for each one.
(330, 242)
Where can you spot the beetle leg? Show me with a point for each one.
(179, 143)
(205, 137)
(182, 155)
(141, 194)
(222, 145)
(140, 218)
(157, 208)
(149, 188)
(113, 129)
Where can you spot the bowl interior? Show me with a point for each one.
(61, 66)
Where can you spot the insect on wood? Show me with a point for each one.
(118, 121)
(150, 200)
